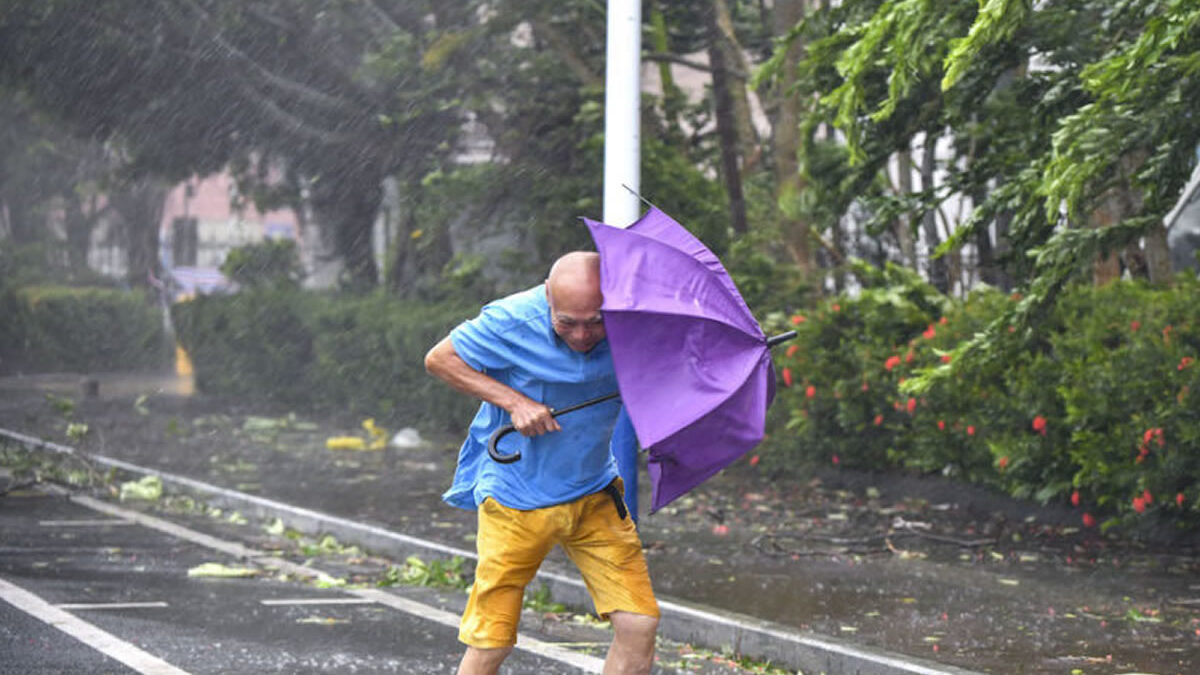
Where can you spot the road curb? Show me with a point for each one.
(681, 621)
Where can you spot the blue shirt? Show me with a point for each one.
(513, 341)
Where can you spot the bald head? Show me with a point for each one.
(573, 290)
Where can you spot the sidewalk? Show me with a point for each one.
(873, 579)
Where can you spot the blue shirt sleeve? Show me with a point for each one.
(481, 341)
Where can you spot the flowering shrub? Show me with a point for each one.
(1100, 412)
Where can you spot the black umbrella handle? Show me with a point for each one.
(782, 337)
(508, 428)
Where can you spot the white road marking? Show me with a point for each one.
(104, 642)
(588, 664)
(317, 601)
(110, 605)
(94, 522)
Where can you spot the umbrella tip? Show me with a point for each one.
(635, 193)
(781, 338)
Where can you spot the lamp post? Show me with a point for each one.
(622, 171)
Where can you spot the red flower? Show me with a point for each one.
(811, 391)
(1135, 325)
(1147, 497)
(911, 405)
(942, 321)
(1179, 500)
(1139, 504)
(865, 387)
(929, 333)
(787, 377)
(837, 308)
(970, 429)
(892, 362)
(836, 460)
(1075, 498)
(754, 460)
(909, 356)
(1088, 520)
(791, 351)
(878, 420)
(798, 319)
(1185, 362)
(946, 358)
(941, 425)
(1039, 425)
(1002, 463)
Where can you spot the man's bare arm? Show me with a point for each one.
(529, 417)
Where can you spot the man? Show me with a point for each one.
(524, 356)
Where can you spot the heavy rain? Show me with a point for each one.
(231, 235)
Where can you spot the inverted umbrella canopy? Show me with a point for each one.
(693, 366)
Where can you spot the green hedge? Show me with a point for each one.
(1101, 413)
(359, 355)
(63, 329)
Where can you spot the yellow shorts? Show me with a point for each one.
(513, 543)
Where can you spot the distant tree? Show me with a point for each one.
(1074, 141)
(274, 262)
(345, 94)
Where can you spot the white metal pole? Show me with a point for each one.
(622, 169)
(622, 113)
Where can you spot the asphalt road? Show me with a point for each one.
(108, 591)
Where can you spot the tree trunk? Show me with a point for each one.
(349, 205)
(904, 228)
(140, 205)
(1107, 266)
(938, 271)
(1158, 256)
(727, 43)
(788, 181)
(727, 134)
(18, 210)
(673, 98)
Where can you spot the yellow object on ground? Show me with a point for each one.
(378, 434)
(183, 362)
(211, 569)
(345, 443)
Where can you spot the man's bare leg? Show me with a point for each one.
(483, 661)
(632, 649)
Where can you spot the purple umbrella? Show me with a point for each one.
(693, 366)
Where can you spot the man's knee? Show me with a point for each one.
(631, 625)
(477, 661)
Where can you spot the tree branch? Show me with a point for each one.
(694, 65)
(570, 57)
(265, 76)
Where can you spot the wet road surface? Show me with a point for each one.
(89, 592)
(1023, 603)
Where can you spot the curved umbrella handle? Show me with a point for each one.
(508, 428)
(782, 337)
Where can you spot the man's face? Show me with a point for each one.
(581, 326)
